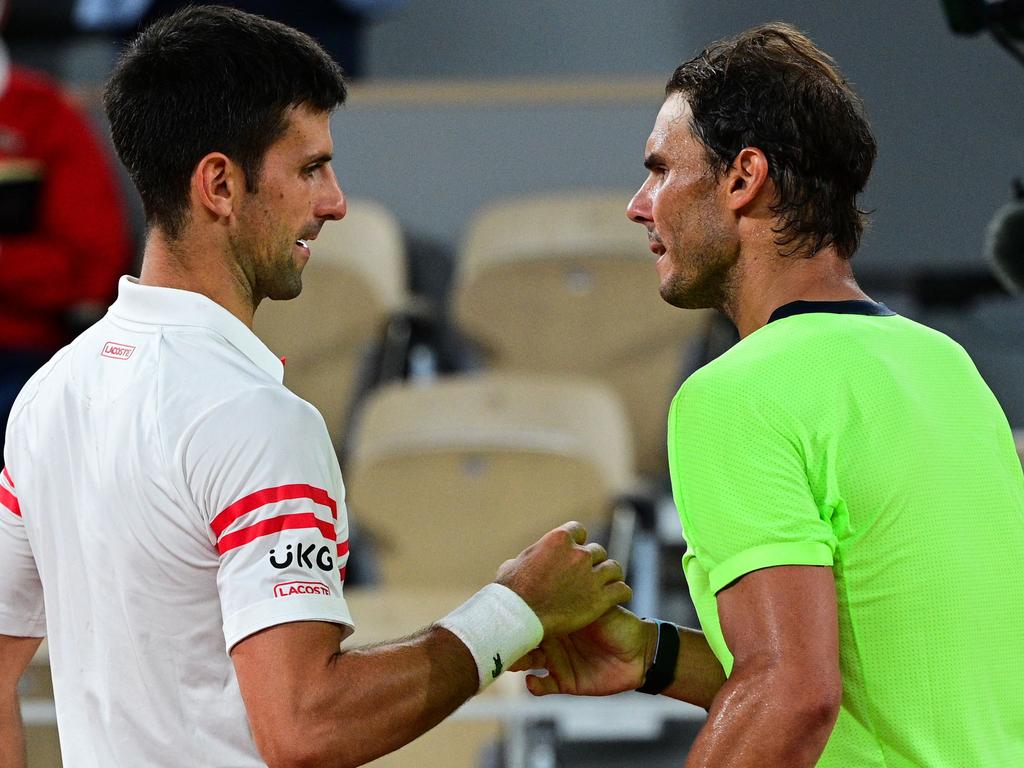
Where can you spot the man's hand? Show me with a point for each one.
(609, 656)
(566, 582)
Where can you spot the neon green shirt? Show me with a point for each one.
(843, 435)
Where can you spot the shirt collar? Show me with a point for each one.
(171, 306)
(852, 307)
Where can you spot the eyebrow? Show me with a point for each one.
(653, 159)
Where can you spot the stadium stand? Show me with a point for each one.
(563, 284)
(508, 456)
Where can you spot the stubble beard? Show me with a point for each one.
(281, 279)
(271, 272)
(712, 268)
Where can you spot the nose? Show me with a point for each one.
(639, 208)
(333, 206)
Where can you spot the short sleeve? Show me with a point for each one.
(263, 474)
(21, 592)
(740, 483)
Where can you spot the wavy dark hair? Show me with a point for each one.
(209, 79)
(771, 88)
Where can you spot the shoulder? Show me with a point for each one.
(261, 415)
(730, 377)
(37, 384)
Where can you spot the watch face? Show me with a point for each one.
(21, 184)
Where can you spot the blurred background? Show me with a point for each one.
(483, 332)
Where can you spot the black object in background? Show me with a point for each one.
(1003, 18)
(46, 19)
(20, 189)
(340, 32)
(968, 17)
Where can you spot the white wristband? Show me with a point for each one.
(498, 628)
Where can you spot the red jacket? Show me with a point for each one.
(80, 243)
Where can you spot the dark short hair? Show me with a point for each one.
(771, 88)
(209, 79)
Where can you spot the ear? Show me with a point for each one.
(217, 184)
(747, 177)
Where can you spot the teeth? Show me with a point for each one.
(303, 243)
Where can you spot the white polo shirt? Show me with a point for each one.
(164, 497)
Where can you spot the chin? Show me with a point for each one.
(679, 294)
(283, 290)
(677, 299)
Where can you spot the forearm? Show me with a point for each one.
(765, 720)
(15, 654)
(370, 701)
(12, 735)
(699, 674)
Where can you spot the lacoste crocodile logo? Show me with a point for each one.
(498, 666)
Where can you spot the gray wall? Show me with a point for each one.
(948, 112)
(496, 38)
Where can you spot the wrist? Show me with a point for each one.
(649, 635)
(497, 626)
(661, 672)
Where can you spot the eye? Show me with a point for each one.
(310, 170)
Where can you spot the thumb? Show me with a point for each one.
(541, 686)
(532, 660)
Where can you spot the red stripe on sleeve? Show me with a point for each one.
(274, 525)
(8, 476)
(10, 501)
(259, 499)
(343, 548)
(341, 573)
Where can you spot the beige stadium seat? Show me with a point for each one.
(354, 282)
(456, 476)
(567, 284)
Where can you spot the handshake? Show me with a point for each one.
(557, 607)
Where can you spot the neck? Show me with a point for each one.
(766, 281)
(185, 265)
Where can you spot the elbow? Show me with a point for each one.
(815, 705)
(291, 747)
(295, 755)
(286, 746)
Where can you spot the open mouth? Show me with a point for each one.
(303, 244)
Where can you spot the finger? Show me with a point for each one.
(618, 592)
(541, 686)
(597, 552)
(609, 571)
(576, 531)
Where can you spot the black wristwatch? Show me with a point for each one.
(662, 671)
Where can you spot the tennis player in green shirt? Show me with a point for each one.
(848, 487)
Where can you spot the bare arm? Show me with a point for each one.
(310, 703)
(778, 707)
(15, 654)
(352, 705)
(614, 653)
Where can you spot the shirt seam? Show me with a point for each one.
(869, 713)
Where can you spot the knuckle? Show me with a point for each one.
(560, 535)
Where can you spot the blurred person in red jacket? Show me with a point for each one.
(63, 233)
